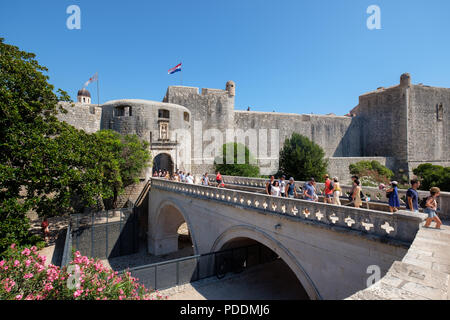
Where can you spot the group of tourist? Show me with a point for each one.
(332, 192)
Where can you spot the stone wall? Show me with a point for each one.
(338, 166)
(339, 136)
(428, 131)
(86, 117)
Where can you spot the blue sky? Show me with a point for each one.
(288, 56)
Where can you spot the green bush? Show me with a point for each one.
(433, 176)
(302, 159)
(371, 173)
(246, 169)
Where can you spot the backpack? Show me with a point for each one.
(331, 185)
(423, 203)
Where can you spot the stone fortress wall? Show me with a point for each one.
(86, 117)
(401, 126)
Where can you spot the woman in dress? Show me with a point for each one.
(394, 201)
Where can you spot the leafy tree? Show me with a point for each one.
(371, 173)
(433, 176)
(246, 169)
(302, 159)
(47, 165)
(123, 159)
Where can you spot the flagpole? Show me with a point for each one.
(181, 75)
(98, 94)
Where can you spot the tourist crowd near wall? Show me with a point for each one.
(401, 127)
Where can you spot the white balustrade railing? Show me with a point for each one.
(401, 226)
(374, 193)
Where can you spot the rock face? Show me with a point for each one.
(400, 126)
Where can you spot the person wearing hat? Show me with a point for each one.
(392, 194)
(290, 189)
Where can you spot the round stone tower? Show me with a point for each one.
(405, 80)
(84, 96)
(231, 88)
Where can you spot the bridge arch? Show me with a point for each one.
(249, 232)
(163, 228)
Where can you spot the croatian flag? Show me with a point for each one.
(175, 69)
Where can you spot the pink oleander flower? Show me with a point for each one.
(16, 263)
(13, 246)
(19, 297)
(77, 293)
(28, 276)
(33, 248)
(27, 263)
(26, 252)
(2, 263)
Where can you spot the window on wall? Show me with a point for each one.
(120, 111)
(440, 112)
(164, 131)
(130, 113)
(186, 116)
(162, 113)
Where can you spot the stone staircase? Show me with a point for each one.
(423, 274)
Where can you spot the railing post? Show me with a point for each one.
(178, 274)
(156, 277)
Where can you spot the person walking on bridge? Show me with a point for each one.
(290, 189)
(337, 191)
(412, 196)
(309, 190)
(328, 192)
(269, 185)
(356, 196)
(431, 208)
(392, 193)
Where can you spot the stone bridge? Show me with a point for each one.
(329, 248)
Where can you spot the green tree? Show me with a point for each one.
(371, 173)
(123, 158)
(246, 169)
(433, 176)
(302, 159)
(47, 165)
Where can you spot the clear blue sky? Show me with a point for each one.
(288, 56)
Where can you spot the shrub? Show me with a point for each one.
(246, 169)
(433, 176)
(371, 173)
(302, 159)
(24, 276)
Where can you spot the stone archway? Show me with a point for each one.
(163, 232)
(163, 161)
(249, 232)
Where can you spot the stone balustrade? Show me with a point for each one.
(374, 193)
(401, 226)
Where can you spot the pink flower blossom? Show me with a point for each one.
(16, 263)
(27, 263)
(13, 246)
(28, 276)
(77, 293)
(26, 252)
(19, 297)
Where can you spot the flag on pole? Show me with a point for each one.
(175, 69)
(92, 79)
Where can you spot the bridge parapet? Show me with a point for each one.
(401, 226)
(374, 193)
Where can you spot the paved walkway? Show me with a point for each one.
(423, 274)
(270, 281)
